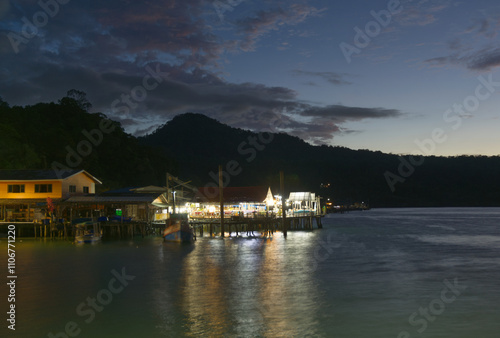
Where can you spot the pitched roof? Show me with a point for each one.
(128, 195)
(121, 191)
(38, 175)
(233, 194)
(302, 196)
(132, 191)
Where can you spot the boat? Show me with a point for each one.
(177, 229)
(88, 232)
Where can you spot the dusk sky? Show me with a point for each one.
(379, 75)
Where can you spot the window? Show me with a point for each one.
(85, 190)
(41, 188)
(15, 188)
(72, 188)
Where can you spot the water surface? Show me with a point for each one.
(366, 274)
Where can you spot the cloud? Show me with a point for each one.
(421, 13)
(455, 44)
(484, 59)
(441, 61)
(314, 133)
(475, 48)
(344, 113)
(105, 50)
(413, 16)
(487, 26)
(326, 122)
(246, 105)
(331, 77)
(479, 60)
(253, 28)
(133, 31)
(323, 123)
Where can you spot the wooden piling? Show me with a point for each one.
(283, 204)
(221, 200)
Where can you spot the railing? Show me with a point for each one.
(252, 215)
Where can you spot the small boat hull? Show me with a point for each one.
(88, 239)
(88, 233)
(179, 236)
(178, 230)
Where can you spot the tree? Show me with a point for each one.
(79, 97)
(3, 104)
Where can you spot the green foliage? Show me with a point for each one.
(14, 152)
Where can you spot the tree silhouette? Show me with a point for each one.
(81, 99)
(3, 104)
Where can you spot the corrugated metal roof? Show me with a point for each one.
(120, 191)
(302, 196)
(150, 189)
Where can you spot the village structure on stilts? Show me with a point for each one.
(48, 204)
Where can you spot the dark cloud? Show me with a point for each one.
(479, 60)
(108, 48)
(474, 48)
(421, 13)
(332, 77)
(455, 44)
(314, 132)
(484, 60)
(323, 123)
(341, 113)
(486, 26)
(440, 61)
(263, 22)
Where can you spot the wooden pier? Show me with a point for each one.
(265, 225)
(67, 231)
(202, 227)
(126, 229)
(38, 230)
(129, 212)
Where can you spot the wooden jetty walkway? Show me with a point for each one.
(201, 226)
(238, 225)
(67, 230)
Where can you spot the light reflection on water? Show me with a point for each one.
(243, 287)
(363, 275)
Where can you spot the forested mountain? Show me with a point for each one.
(64, 135)
(200, 143)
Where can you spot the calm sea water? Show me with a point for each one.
(378, 273)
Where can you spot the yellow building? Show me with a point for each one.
(24, 194)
